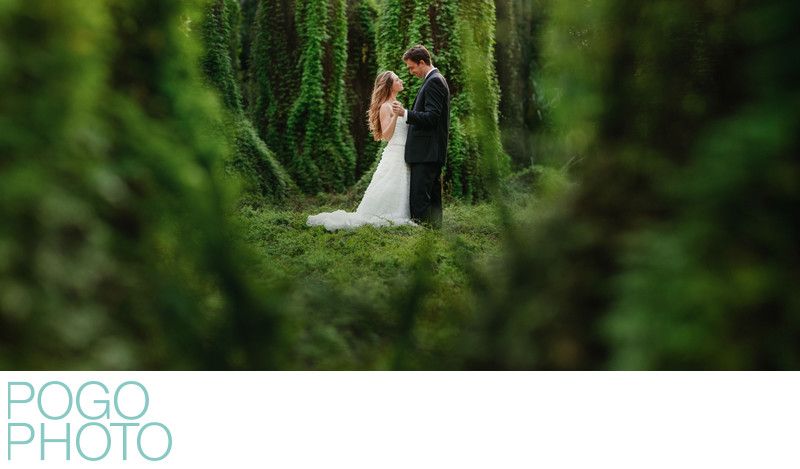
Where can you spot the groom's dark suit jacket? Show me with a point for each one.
(429, 122)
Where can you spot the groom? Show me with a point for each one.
(426, 144)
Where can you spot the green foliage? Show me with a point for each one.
(221, 44)
(323, 152)
(523, 107)
(274, 71)
(360, 73)
(482, 90)
(263, 175)
(299, 59)
(730, 248)
(389, 298)
(233, 22)
(670, 243)
(676, 249)
(446, 28)
(115, 247)
(247, 29)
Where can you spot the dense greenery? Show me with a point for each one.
(524, 108)
(666, 242)
(274, 75)
(299, 58)
(391, 297)
(264, 176)
(115, 243)
(323, 154)
(360, 73)
(675, 251)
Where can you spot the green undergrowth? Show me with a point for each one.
(382, 298)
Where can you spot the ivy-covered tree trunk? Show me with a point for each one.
(323, 156)
(460, 36)
(275, 74)
(252, 159)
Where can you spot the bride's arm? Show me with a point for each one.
(388, 121)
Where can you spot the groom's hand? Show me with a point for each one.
(397, 108)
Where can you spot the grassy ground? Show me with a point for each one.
(377, 298)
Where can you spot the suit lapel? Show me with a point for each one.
(422, 86)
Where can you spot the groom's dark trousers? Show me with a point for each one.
(425, 193)
(426, 148)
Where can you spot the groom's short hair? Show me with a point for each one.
(418, 54)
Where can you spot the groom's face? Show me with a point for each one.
(415, 68)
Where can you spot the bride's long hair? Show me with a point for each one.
(380, 93)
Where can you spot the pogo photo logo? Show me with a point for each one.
(53, 422)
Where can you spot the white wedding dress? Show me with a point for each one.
(385, 201)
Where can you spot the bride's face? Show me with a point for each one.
(398, 84)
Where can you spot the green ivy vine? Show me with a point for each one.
(251, 158)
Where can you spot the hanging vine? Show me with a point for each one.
(323, 153)
(274, 71)
(360, 73)
(218, 61)
(251, 159)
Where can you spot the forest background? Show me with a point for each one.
(622, 186)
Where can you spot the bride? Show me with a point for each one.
(385, 201)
